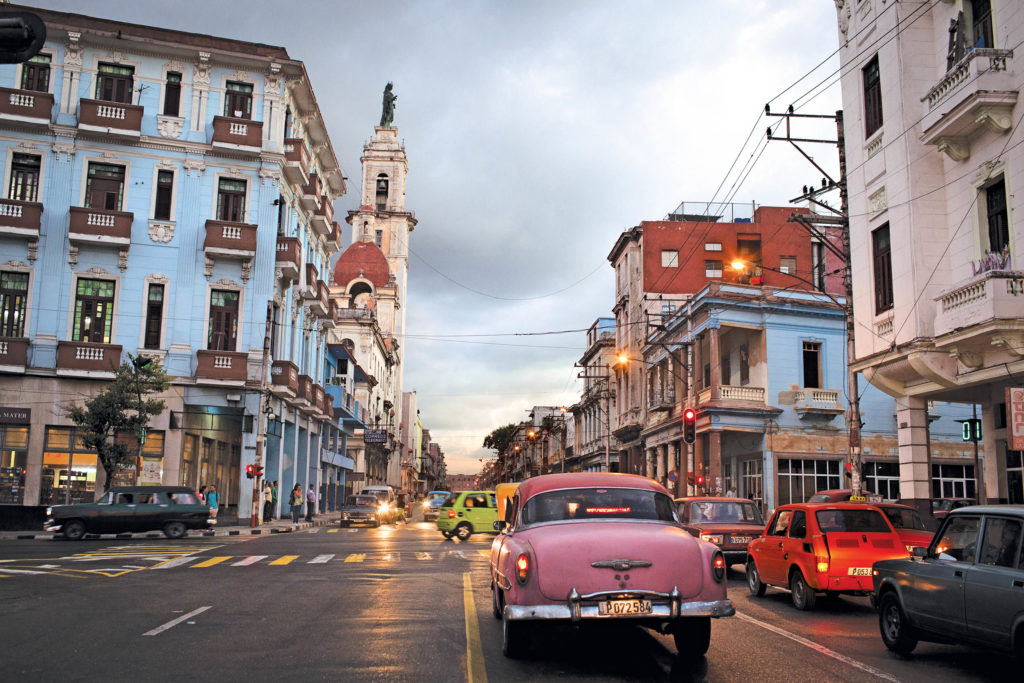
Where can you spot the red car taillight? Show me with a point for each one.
(522, 568)
(718, 567)
(451, 514)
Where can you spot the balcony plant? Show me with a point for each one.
(992, 260)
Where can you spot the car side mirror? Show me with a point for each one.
(919, 551)
(500, 525)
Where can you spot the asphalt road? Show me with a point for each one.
(396, 603)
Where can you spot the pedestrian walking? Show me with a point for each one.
(213, 501)
(295, 500)
(310, 503)
(273, 501)
(268, 501)
(202, 494)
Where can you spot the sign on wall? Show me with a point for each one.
(1015, 418)
(375, 436)
(15, 416)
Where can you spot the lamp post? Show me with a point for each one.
(139, 363)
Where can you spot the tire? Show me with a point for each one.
(447, 534)
(376, 524)
(175, 530)
(464, 531)
(513, 636)
(692, 636)
(754, 583)
(804, 596)
(73, 530)
(496, 609)
(897, 634)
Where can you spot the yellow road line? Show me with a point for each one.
(284, 559)
(356, 557)
(476, 670)
(422, 556)
(485, 553)
(333, 531)
(212, 561)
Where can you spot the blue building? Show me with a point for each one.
(166, 194)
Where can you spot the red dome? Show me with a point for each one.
(362, 260)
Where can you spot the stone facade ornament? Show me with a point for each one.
(158, 278)
(72, 256)
(160, 231)
(877, 202)
(272, 81)
(270, 174)
(122, 259)
(241, 76)
(957, 149)
(169, 126)
(63, 150)
(246, 269)
(996, 120)
(73, 54)
(96, 271)
(202, 74)
(208, 268)
(845, 12)
(197, 165)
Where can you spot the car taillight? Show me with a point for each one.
(822, 566)
(522, 568)
(451, 514)
(718, 567)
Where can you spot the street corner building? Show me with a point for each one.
(168, 194)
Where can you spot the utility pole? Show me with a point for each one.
(261, 416)
(814, 223)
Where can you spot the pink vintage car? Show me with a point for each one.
(590, 547)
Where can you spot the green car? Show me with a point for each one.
(466, 513)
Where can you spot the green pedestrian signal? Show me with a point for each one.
(142, 436)
(971, 429)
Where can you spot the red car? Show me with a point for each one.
(814, 548)
(729, 523)
(908, 525)
(595, 547)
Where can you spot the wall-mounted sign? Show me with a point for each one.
(355, 476)
(1015, 418)
(375, 436)
(15, 416)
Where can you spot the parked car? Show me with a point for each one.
(466, 513)
(967, 586)
(361, 508)
(171, 509)
(386, 504)
(821, 547)
(908, 525)
(942, 506)
(591, 547)
(432, 504)
(729, 523)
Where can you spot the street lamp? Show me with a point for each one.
(139, 363)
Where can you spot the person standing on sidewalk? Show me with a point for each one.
(213, 501)
(268, 501)
(273, 501)
(310, 503)
(295, 500)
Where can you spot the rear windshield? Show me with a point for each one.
(819, 498)
(597, 503)
(441, 495)
(449, 501)
(904, 519)
(714, 512)
(851, 520)
(362, 500)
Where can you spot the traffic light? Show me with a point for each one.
(259, 471)
(250, 471)
(971, 429)
(689, 425)
(848, 470)
(700, 480)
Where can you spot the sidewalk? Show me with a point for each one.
(277, 526)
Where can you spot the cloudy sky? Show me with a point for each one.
(536, 132)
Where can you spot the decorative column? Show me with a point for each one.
(716, 364)
(714, 477)
(915, 457)
(662, 452)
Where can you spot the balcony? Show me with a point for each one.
(753, 396)
(990, 301)
(305, 398)
(240, 134)
(310, 289)
(87, 359)
(20, 219)
(318, 401)
(818, 402)
(296, 157)
(334, 239)
(99, 226)
(284, 378)
(230, 240)
(221, 367)
(330, 320)
(26, 105)
(661, 401)
(13, 354)
(112, 118)
(311, 193)
(979, 91)
(320, 306)
(289, 256)
(323, 216)
(353, 314)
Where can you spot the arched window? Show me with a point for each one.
(356, 294)
(382, 192)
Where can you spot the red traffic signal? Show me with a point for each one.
(700, 480)
(250, 471)
(259, 471)
(689, 425)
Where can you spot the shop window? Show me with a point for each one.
(24, 184)
(713, 269)
(812, 364)
(753, 481)
(223, 320)
(882, 261)
(801, 479)
(69, 468)
(154, 316)
(188, 461)
(883, 478)
(114, 83)
(953, 481)
(13, 463)
(164, 195)
(172, 94)
(231, 200)
(997, 235)
(13, 301)
(1015, 477)
(669, 258)
(872, 97)
(94, 310)
(35, 74)
(238, 100)
(104, 187)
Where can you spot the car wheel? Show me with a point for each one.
(174, 530)
(692, 636)
(74, 530)
(376, 524)
(495, 601)
(804, 596)
(892, 622)
(446, 534)
(757, 588)
(463, 531)
(513, 635)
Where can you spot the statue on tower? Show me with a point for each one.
(387, 115)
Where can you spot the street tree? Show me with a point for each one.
(124, 407)
(501, 438)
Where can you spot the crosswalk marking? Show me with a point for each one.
(252, 559)
(422, 556)
(485, 553)
(212, 561)
(356, 557)
(391, 557)
(333, 531)
(456, 553)
(314, 531)
(174, 563)
(284, 559)
(320, 559)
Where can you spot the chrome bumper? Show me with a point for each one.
(52, 526)
(666, 606)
